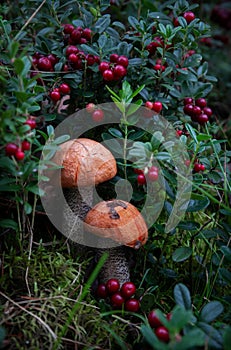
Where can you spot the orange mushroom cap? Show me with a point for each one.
(85, 162)
(119, 221)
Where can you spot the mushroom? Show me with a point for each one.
(85, 163)
(121, 222)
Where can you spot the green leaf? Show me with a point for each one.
(227, 252)
(61, 139)
(197, 204)
(191, 339)
(147, 302)
(18, 66)
(225, 275)
(227, 338)
(189, 225)
(2, 336)
(27, 208)
(191, 131)
(181, 254)
(213, 337)
(102, 23)
(210, 311)
(134, 107)
(115, 132)
(9, 223)
(182, 296)
(203, 137)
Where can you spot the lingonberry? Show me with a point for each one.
(202, 166)
(113, 57)
(68, 28)
(153, 319)
(71, 49)
(87, 33)
(90, 59)
(141, 179)
(128, 289)
(25, 146)
(132, 305)
(198, 167)
(76, 35)
(90, 107)
(112, 285)
(44, 64)
(157, 106)
(117, 300)
(157, 67)
(138, 171)
(19, 154)
(169, 316)
(208, 111)
(98, 115)
(188, 109)
(202, 119)
(73, 58)
(201, 102)
(31, 123)
(162, 334)
(64, 88)
(108, 75)
(179, 132)
(103, 66)
(119, 71)
(149, 104)
(188, 100)
(152, 175)
(55, 96)
(101, 291)
(196, 110)
(189, 16)
(11, 149)
(123, 61)
(53, 59)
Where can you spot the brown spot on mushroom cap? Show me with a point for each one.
(119, 221)
(85, 162)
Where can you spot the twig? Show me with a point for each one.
(54, 336)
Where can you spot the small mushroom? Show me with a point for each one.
(118, 221)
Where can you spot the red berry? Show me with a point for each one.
(188, 100)
(202, 166)
(201, 102)
(157, 67)
(188, 109)
(128, 289)
(119, 71)
(25, 145)
(138, 171)
(176, 22)
(208, 111)
(64, 88)
(108, 75)
(98, 115)
(152, 175)
(179, 132)
(68, 28)
(189, 16)
(162, 334)
(198, 167)
(90, 107)
(55, 96)
(112, 285)
(141, 179)
(73, 58)
(196, 110)
(44, 64)
(157, 106)
(31, 123)
(132, 305)
(53, 59)
(71, 49)
(153, 319)
(169, 316)
(87, 33)
(114, 57)
(149, 104)
(19, 154)
(103, 66)
(76, 35)
(117, 300)
(202, 119)
(102, 291)
(11, 149)
(123, 61)
(90, 59)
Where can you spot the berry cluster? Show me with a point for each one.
(115, 69)
(18, 151)
(44, 63)
(97, 114)
(197, 110)
(77, 59)
(76, 35)
(157, 42)
(197, 167)
(159, 66)
(56, 93)
(152, 174)
(154, 106)
(119, 297)
(161, 332)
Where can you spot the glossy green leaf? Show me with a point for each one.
(9, 223)
(181, 254)
(211, 311)
(182, 296)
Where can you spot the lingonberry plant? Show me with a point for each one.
(60, 57)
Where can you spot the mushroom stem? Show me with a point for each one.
(116, 265)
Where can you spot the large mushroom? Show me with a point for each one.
(121, 222)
